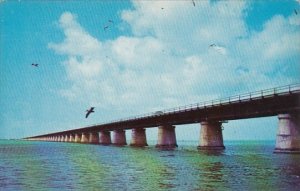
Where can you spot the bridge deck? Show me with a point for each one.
(263, 103)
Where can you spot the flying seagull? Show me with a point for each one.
(220, 49)
(295, 11)
(194, 3)
(35, 65)
(106, 27)
(110, 21)
(91, 110)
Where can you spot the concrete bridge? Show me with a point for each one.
(283, 102)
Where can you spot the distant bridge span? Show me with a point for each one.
(282, 101)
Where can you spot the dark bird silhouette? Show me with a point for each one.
(295, 11)
(35, 65)
(105, 28)
(89, 111)
(162, 8)
(212, 45)
(110, 21)
(194, 3)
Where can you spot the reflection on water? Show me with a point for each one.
(56, 166)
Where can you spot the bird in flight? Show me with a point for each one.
(218, 48)
(89, 111)
(108, 24)
(35, 65)
(194, 3)
(105, 28)
(295, 11)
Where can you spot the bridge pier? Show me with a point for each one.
(211, 137)
(104, 138)
(94, 138)
(138, 137)
(77, 138)
(166, 137)
(66, 138)
(71, 138)
(84, 138)
(119, 137)
(288, 134)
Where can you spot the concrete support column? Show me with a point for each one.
(62, 138)
(166, 137)
(138, 137)
(119, 137)
(56, 138)
(84, 138)
(94, 138)
(77, 138)
(71, 138)
(66, 138)
(211, 137)
(288, 134)
(104, 138)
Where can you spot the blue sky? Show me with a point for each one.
(154, 55)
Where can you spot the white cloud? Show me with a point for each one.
(168, 60)
(77, 42)
(274, 51)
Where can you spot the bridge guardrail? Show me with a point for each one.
(289, 89)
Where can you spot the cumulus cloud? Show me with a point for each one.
(274, 52)
(168, 60)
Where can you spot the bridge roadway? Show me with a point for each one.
(282, 101)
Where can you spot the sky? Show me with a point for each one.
(127, 58)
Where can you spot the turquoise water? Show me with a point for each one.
(26, 165)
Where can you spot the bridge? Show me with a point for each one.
(283, 102)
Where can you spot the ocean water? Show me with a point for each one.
(26, 165)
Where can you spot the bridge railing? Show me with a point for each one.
(290, 89)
